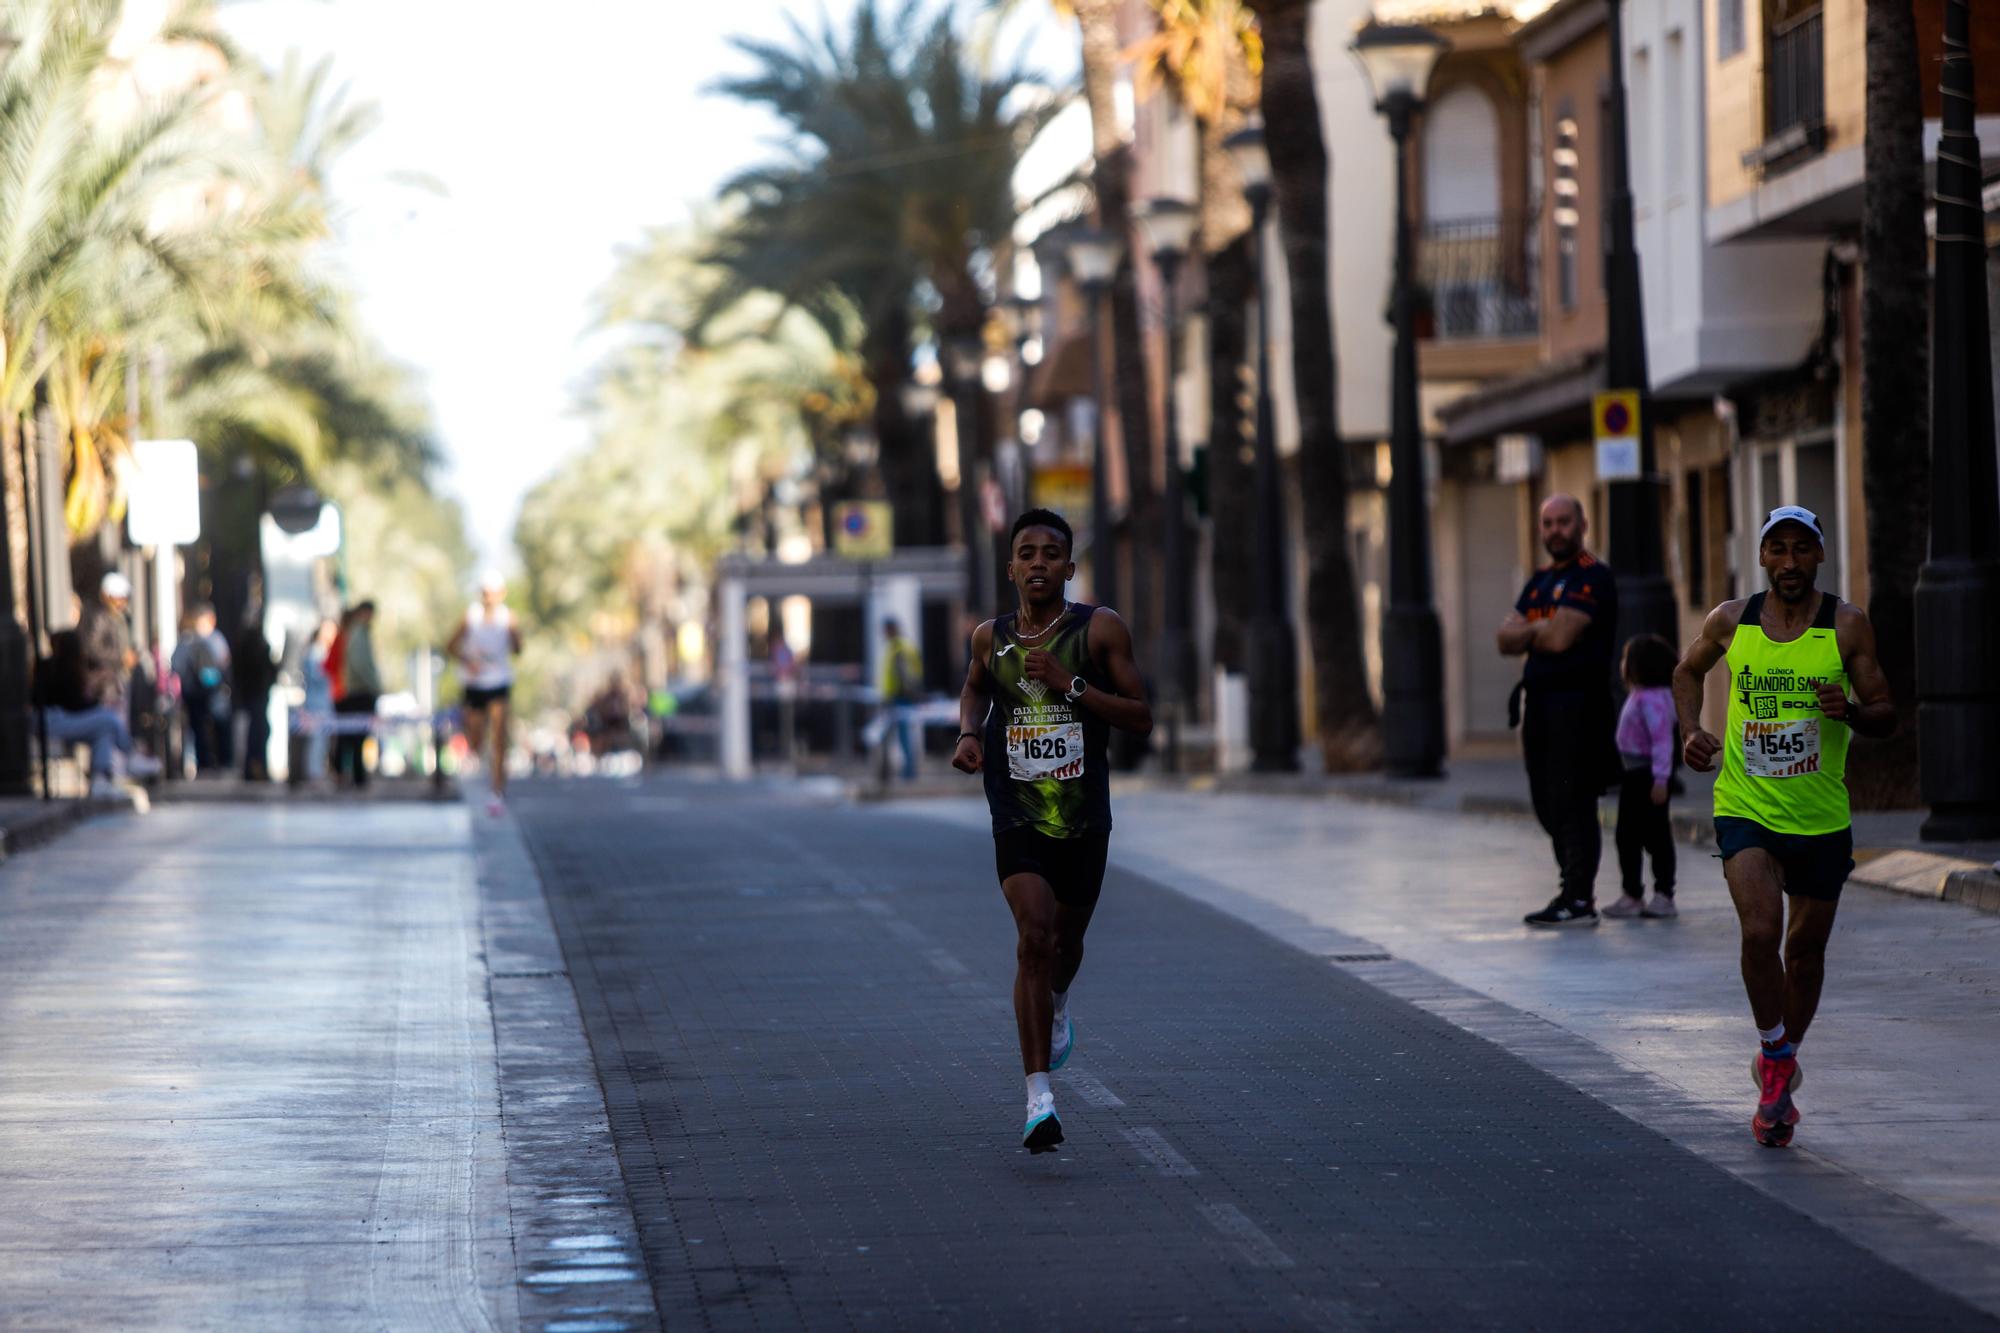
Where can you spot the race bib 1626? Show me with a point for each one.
(1037, 753)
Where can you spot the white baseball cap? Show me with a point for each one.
(115, 584)
(492, 581)
(1791, 514)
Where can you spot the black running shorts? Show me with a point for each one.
(481, 699)
(1074, 867)
(1815, 865)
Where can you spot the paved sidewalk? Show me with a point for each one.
(250, 1079)
(1903, 1061)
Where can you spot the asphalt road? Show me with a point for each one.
(799, 1012)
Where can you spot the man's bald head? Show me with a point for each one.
(1563, 527)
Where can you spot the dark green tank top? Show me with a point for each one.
(1045, 763)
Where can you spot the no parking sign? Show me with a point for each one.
(863, 530)
(1614, 419)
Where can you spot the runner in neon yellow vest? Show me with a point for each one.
(1781, 815)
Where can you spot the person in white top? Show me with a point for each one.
(484, 646)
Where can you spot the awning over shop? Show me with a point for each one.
(1552, 401)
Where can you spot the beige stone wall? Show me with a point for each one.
(1736, 93)
(1846, 73)
(1735, 106)
(1576, 76)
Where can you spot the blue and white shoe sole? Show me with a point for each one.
(1042, 1134)
(1063, 1059)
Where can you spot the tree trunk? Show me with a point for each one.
(1348, 736)
(1231, 285)
(1895, 370)
(1098, 21)
(906, 457)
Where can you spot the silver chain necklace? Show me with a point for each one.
(1022, 637)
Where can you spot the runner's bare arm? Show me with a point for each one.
(457, 641)
(1110, 642)
(1700, 746)
(970, 754)
(1855, 636)
(1557, 634)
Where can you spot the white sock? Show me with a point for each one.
(1038, 1086)
(1061, 998)
(1773, 1035)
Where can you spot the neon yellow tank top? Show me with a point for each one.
(1784, 763)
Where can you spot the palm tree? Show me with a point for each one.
(891, 206)
(75, 201)
(1210, 54)
(1348, 735)
(1895, 387)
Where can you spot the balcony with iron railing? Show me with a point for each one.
(1479, 285)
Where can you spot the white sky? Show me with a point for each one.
(558, 136)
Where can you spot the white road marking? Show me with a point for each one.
(1258, 1249)
(1160, 1154)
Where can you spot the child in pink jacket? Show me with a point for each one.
(1647, 739)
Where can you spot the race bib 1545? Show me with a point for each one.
(1787, 749)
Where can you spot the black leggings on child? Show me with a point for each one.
(1644, 829)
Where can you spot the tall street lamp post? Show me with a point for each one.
(1093, 261)
(964, 357)
(1274, 672)
(1958, 588)
(1398, 62)
(1169, 226)
(1645, 597)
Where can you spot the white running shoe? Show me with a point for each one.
(1624, 909)
(1661, 905)
(1043, 1131)
(142, 765)
(1062, 1040)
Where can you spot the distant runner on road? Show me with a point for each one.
(1045, 685)
(1781, 812)
(484, 645)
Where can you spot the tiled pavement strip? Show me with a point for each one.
(800, 1015)
(250, 1079)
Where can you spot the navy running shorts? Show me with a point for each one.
(1815, 865)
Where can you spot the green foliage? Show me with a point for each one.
(143, 233)
(896, 189)
(681, 433)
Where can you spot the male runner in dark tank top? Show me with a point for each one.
(1046, 684)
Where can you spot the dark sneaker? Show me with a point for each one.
(1563, 911)
(1772, 1125)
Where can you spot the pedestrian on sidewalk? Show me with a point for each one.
(1563, 626)
(360, 689)
(1647, 742)
(256, 672)
(321, 668)
(902, 681)
(1046, 684)
(1782, 820)
(201, 662)
(73, 714)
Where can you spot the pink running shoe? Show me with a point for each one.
(1772, 1125)
(1757, 1073)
